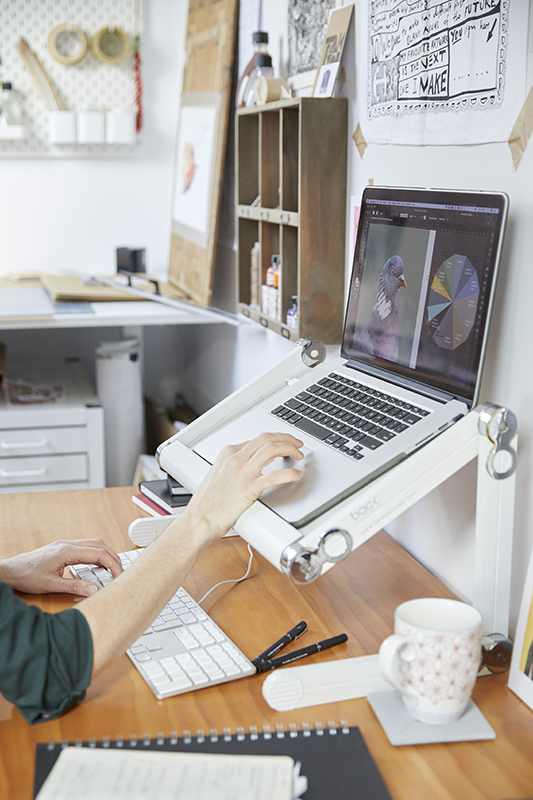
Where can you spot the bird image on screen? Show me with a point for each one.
(379, 336)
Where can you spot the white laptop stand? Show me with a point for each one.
(488, 432)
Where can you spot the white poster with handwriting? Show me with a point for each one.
(450, 72)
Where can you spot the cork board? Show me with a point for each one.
(200, 145)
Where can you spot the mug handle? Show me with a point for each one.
(392, 648)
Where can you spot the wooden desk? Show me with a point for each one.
(357, 596)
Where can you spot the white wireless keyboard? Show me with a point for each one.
(183, 649)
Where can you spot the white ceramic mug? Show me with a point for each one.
(433, 658)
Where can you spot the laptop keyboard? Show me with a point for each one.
(183, 649)
(348, 415)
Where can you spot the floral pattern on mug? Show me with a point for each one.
(445, 665)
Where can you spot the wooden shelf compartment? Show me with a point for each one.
(291, 198)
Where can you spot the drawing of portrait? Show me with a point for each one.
(193, 182)
(308, 20)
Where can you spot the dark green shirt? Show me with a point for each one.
(45, 659)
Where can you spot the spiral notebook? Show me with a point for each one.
(335, 760)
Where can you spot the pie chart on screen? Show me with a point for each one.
(453, 302)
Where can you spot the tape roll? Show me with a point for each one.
(268, 90)
(110, 45)
(67, 44)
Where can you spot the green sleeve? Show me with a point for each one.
(45, 659)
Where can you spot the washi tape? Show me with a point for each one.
(110, 45)
(67, 44)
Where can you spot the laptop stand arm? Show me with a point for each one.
(486, 432)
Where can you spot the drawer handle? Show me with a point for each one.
(285, 218)
(19, 445)
(21, 473)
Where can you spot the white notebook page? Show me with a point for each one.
(98, 774)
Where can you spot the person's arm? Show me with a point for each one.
(119, 614)
(41, 571)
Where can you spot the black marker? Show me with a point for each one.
(296, 655)
(288, 637)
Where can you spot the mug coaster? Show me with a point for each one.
(402, 729)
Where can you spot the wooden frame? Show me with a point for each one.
(207, 79)
(521, 674)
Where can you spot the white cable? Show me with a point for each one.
(235, 580)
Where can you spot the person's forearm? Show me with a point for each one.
(6, 571)
(118, 615)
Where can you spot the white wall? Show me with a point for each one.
(439, 530)
(71, 214)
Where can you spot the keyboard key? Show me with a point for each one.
(187, 618)
(167, 626)
(154, 669)
(179, 683)
(143, 657)
(312, 428)
(294, 404)
(371, 443)
(410, 419)
(384, 435)
(160, 679)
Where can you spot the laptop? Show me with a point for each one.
(414, 339)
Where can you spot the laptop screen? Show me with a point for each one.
(422, 285)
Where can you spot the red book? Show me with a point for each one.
(148, 505)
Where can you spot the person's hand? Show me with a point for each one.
(41, 571)
(236, 479)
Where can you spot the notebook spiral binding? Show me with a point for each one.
(254, 734)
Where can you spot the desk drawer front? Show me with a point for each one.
(43, 469)
(41, 441)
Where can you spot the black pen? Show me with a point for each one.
(269, 664)
(288, 637)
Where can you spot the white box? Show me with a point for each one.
(62, 127)
(120, 126)
(91, 127)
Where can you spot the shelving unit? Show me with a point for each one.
(291, 198)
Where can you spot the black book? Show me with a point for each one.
(159, 492)
(336, 761)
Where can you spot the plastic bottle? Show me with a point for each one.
(263, 67)
(260, 42)
(272, 290)
(10, 108)
(272, 273)
(292, 314)
(255, 275)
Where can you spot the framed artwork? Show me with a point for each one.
(201, 146)
(326, 80)
(193, 183)
(521, 674)
(307, 22)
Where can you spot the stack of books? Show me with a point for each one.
(162, 497)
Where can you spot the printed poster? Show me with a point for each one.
(450, 72)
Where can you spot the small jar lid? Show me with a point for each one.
(260, 37)
(263, 60)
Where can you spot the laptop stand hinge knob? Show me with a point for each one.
(303, 565)
(499, 425)
(313, 352)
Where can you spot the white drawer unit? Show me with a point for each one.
(52, 446)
